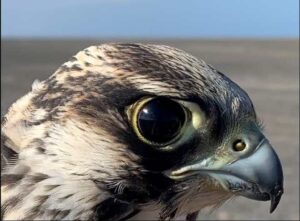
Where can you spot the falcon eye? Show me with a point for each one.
(159, 121)
(239, 145)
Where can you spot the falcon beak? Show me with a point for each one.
(258, 176)
(263, 168)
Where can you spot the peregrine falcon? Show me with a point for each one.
(122, 130)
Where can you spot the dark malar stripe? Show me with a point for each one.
(10, 179)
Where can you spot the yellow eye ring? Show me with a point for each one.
(134, 118)
(157, 121)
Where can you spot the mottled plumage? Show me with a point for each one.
(72, 153)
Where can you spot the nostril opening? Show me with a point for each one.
(238, 145)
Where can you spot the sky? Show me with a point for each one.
(150, 18)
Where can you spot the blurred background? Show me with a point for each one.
(255, 42)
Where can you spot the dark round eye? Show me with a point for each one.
(160, 120)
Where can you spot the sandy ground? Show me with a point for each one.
(268, 70)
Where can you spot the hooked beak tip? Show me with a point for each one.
(275, 196)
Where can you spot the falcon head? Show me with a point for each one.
(125, 128)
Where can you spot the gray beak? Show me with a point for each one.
(257, 176)
(263, 168)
